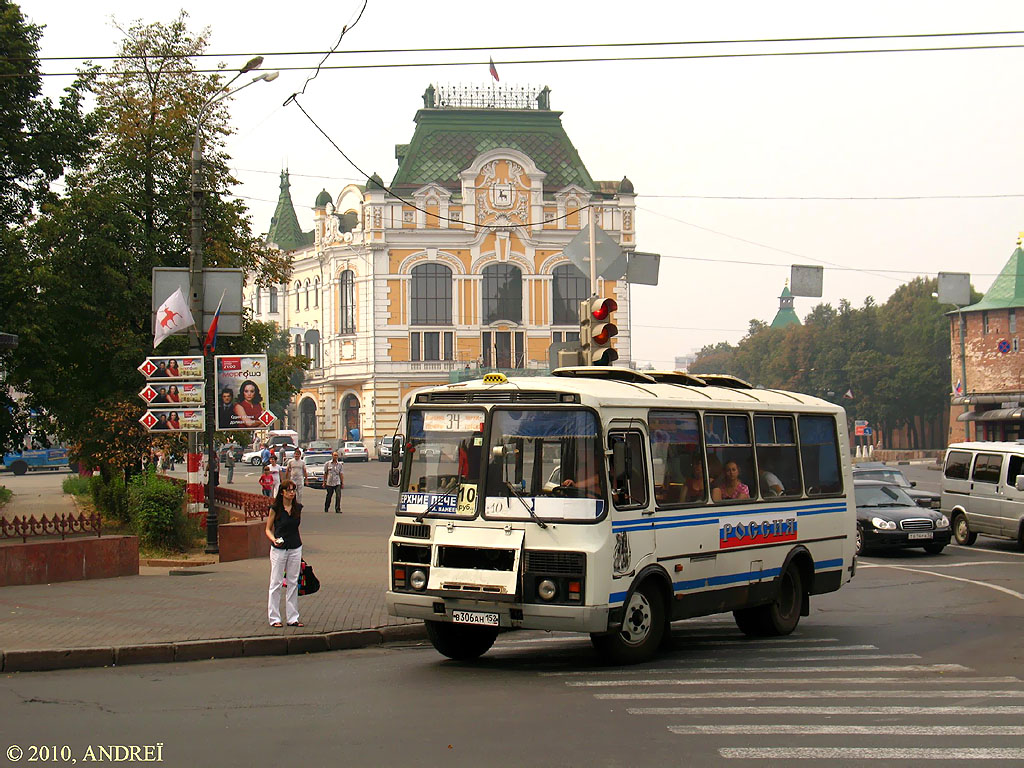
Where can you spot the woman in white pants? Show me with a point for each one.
(285, 555)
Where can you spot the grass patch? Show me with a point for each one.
(76, 485)
(5, 494)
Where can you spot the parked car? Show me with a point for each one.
(887, 518)
(983, 490)
(354, 451)
(384, 445)
(315, 464)
(318, 446)
(879, 471)
(255, 457)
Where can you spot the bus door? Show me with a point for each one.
(632, 514)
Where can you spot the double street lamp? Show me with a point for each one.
(196, 283)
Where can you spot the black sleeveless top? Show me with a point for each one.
(287, 527)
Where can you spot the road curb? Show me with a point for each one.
(197, 650)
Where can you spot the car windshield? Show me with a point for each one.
(893, 476)
(882, 496)
(321, 459)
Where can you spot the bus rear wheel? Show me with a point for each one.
(460, 642)
(19, 467)
(778, 617)
(643, 627)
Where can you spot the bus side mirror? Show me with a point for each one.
(620, 465)
(395, 473)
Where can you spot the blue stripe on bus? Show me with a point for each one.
(731, 578)
(703, 518)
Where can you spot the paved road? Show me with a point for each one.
(917, 661)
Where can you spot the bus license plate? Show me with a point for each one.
(920, 535)
(473, 617)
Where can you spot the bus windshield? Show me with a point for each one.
(542, 455)
(444, 450)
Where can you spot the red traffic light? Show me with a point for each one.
(602, 337)
(604, 310)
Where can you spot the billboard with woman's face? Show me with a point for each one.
(242, 392)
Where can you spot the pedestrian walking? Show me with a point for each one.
(285, 555)
(333, 476)
(275, 470)
(297, 473)
(266, 481)
(229, 463)
(265, 454)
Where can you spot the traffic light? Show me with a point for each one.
(597, 330)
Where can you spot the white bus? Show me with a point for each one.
(610, 501)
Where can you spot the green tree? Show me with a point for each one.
(125, 212)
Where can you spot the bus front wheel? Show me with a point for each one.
(19, 467)
(643, 626)
(778, 617)
(459, 641)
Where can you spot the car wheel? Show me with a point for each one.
(1020, 536)
(860, 539)
(962, 532)
(460, 642)
(255, 461)
(935, 548)
(19, 467)
(778, 617)
(643, 627)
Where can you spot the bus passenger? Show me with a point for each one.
(730, 487)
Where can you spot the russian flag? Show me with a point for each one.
(494, 71)
(210, 345)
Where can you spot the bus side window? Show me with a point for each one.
(778, 465)
(629, 490)
(678, 458)
(819, 455)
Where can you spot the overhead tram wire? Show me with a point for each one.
(554, 46)
(580, 60)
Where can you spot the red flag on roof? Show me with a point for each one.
(494, 71)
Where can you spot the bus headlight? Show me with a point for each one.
(418, 580)
(547, 590)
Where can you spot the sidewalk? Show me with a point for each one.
(160, 614)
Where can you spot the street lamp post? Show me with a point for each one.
(196, 291)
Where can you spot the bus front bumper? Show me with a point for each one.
(564, 618)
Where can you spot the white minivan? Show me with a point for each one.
(983, 490)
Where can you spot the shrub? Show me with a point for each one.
(5, 495)
(110, 497)
(76, 485)
(157, 513)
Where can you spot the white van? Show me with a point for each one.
(983, 490)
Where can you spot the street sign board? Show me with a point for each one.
(858, 429)
(243, 391)
(955, 288)
(642, 268)
(805, 280)
(607, 254)
(216, 282)
(178, 368)
(860, 423)
(868, 431)
(174, 420)
(171, 393)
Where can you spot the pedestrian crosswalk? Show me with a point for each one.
(803, 698)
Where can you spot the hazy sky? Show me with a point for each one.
(936, 124)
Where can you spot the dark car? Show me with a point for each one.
(878, 471)
(887, 518)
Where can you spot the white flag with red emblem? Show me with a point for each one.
(172, 316)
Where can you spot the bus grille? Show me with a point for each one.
(563, 563)
(917, 524)
(412, 530)
(476, 558)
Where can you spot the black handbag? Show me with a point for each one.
(308, 582)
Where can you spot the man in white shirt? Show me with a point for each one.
(333, 479)
(297, 473)
(275, 470)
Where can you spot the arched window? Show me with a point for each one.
(316, 292)
(503, 293)
(347, 301)
(298, 299)
(431, 295)
(298, 344)
(307, 293)
(307, 420)
(350, 418)
(273, 299)
(568, 288)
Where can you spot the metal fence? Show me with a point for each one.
(62, 525)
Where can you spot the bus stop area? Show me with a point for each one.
(215, 610)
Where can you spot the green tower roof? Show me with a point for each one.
(448, 139)
(1008, 288)
(785, 317)
(285, 232)
(323, 199)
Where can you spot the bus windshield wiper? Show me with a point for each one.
(522, 501)
(442, 496)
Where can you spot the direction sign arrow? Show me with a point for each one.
(611, 265)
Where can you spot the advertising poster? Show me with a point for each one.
(156, 368)
(173, 393)
(243, 392)
(174, 420)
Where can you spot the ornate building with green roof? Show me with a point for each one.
(786, 315)
(454, 267)
(993, 361)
